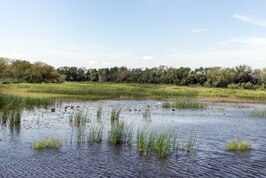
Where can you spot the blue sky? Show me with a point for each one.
(135, 33)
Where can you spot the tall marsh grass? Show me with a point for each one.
(184, 105)
(95, 134)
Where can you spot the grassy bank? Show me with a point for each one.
(98, 91)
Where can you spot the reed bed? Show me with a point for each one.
(184, 105)
(95, 134)
(163, 143)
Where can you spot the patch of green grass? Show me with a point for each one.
(99, 91)
(235, 145)
(95, 134)
(184, 105)
(116, 134)
(47, 144)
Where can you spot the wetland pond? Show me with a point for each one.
(212, 128)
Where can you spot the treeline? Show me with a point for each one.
(16, 71)
(243, 76)
(236, 77)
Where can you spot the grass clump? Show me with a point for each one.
(242, 146)
(115, 114)
(184, 105)
(47, 144)
(259, 113)
(116, 133)
(160, 143)
(190, 145)
(78, 119)
(95, 134)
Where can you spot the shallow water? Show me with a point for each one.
(213, 127)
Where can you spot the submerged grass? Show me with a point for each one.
(235, 145)
(47, 144)
(184, 105)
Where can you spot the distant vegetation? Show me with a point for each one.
(17, 71)
(184, 105)
(239, 77)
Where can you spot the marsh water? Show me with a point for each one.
(214, 127)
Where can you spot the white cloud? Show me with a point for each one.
(251, 20)
(147, 58)
(247, 41)
(198, 30)
(105, 63)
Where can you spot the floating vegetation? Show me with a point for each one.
(47, 144)
(258, 113)
(235, 145)
(115, 114)
(184, 105)
(95, 134)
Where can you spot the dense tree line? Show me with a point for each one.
(237, 77)
(243, 76)
(14, 71)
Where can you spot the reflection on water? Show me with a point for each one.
(78, 158)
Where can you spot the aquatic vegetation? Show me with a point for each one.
(11, 106)
(184, 105)
(115, 114)
(15, 118)
(160, 143)
(78, 119)
(142, 142)
(95, 134)
(99, 113)
(163, 144)
(258, 113)
(47, 144)
(235, 145)
(190, 145)
(116, 134)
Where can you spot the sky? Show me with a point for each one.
(135, 33)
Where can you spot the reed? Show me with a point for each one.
(95, 134)
(116, 134)
(184, 105)
(115, 114)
